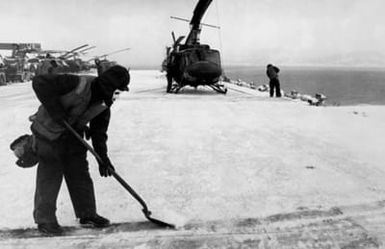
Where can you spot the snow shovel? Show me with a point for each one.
(145, 210)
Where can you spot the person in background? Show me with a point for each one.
(84, 102)
(272, 73)
(98, 66)
(1, 61)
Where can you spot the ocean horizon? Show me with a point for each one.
(341, 85)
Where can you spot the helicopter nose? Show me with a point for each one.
(204, 70)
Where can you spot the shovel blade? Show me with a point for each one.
(147, 213)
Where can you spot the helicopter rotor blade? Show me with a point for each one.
(86, 49)
(115, 52)
(178, 41)
(180, 38)
(173, 36)
(203, 24)
(168, 49)
(105, 55)
(72, 51)
(81, 52)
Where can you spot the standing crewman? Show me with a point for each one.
(99, 67)
(274, 84)
(170, 71)
(80, 101)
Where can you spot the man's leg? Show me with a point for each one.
(169, 82)
(48, 181)
(81, 190)
(271, 87)
(277, 88)
(80, 185)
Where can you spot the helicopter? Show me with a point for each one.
(75, 63)
(102, 63)
(66, 62)
(192, 63)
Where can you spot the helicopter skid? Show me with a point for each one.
(174, 88)
(220, 88)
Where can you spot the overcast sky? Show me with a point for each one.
(253, 32)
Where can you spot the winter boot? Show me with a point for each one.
(50, 228)
(96, 221)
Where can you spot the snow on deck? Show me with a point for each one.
(210, 157)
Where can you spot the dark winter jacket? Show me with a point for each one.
(272, 72)
(70, 97)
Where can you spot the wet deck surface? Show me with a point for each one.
(361, 226)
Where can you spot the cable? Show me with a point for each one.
(219, 32)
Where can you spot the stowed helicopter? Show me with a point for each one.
(74, 61)
(66, 62)
(193, 64)
(102, 63)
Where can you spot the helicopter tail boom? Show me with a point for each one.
(195, 22)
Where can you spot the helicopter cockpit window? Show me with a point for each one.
(193, 57)
(197, 55)
(213, 56)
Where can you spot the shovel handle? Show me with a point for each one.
(113, 172)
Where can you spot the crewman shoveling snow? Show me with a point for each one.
(78, 100)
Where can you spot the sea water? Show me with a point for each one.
(342, 86)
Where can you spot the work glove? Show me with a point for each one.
(106, 167)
